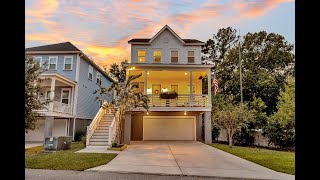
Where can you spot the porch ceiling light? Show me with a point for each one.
(185, 73)
(148, 73)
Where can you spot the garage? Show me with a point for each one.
(169, 128)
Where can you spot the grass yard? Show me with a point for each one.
(65, 160)
(280, 161)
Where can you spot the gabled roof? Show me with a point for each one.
(65, 46)
(148, 41)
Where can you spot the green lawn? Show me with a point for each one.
(65, 160)
(277, 160)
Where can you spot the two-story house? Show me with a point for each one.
(69, 82)
(169, 63)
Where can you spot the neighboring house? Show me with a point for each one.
(70, 80)
(169, 63)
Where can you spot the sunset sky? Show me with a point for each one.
(102, 28)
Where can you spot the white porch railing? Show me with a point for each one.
(94, 124)
(62, 107)
(183, 100)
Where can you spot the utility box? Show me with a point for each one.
(57, 143)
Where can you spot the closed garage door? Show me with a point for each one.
(169, 128)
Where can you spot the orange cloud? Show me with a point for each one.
(42, 8)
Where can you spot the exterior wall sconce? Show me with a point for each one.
(185, 113)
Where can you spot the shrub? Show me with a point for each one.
(114, 144)
(279, 135)
(215, 132)
(84, 140)
(244, 136)
(78, 135)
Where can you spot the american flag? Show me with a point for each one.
(216, 86)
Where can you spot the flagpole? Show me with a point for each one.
(240, 69)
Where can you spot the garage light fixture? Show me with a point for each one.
(185, 113)
(147, 113)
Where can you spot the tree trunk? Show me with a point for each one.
(230, 141)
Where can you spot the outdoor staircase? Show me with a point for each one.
(100, 136)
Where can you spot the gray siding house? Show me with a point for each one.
(70, 80)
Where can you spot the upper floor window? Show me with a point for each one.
(174, 56)
(157, 56)
(38, 59)
(53, 63)
(67, 65)
(99, 78)
(141, 56)
(90, 72)
(190, 56)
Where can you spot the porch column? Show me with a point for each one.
(209, 87)
(72, 99)
(48, 126)
(145, 82)
(127, 128)
(52, 88)
(199, 127)
(207, 128)
(190, 94)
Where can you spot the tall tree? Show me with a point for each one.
(31, 94)
(267, 60)
(119, 71)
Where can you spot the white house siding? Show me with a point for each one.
(70, 74)
(165, 48)
(87, 107)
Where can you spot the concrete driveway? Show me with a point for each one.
(185, 158)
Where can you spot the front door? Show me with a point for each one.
(65, 95)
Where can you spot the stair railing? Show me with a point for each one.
(94, 123)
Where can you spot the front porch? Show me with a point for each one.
(191, 86)
(60, 91)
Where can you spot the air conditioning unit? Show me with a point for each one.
(57, 143)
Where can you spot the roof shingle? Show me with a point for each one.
(65, 46)
(144, 40)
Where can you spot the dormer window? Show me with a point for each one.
(190, 56)
(157, 56)
(174, 57)
(141, 56)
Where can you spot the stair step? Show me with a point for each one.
(99, 137)
(102, 130)
(98, 143)
(104, 124)
(99, 140)
(100, 134)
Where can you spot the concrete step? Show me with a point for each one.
(100, 134)
(99, 140)
(101, 131)
(98, 143)
(99, 137)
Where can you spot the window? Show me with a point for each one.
(47, 96)
(99, 77)
(53, 63)
(39, 59)
(65, 96)
(174, 56)
(157, 56)
(90, 73)
(67, 65)
(141, 56)
(190, 56)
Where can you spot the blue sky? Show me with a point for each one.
(102, 28)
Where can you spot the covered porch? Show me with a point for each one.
(190, 86)
(60, 91)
